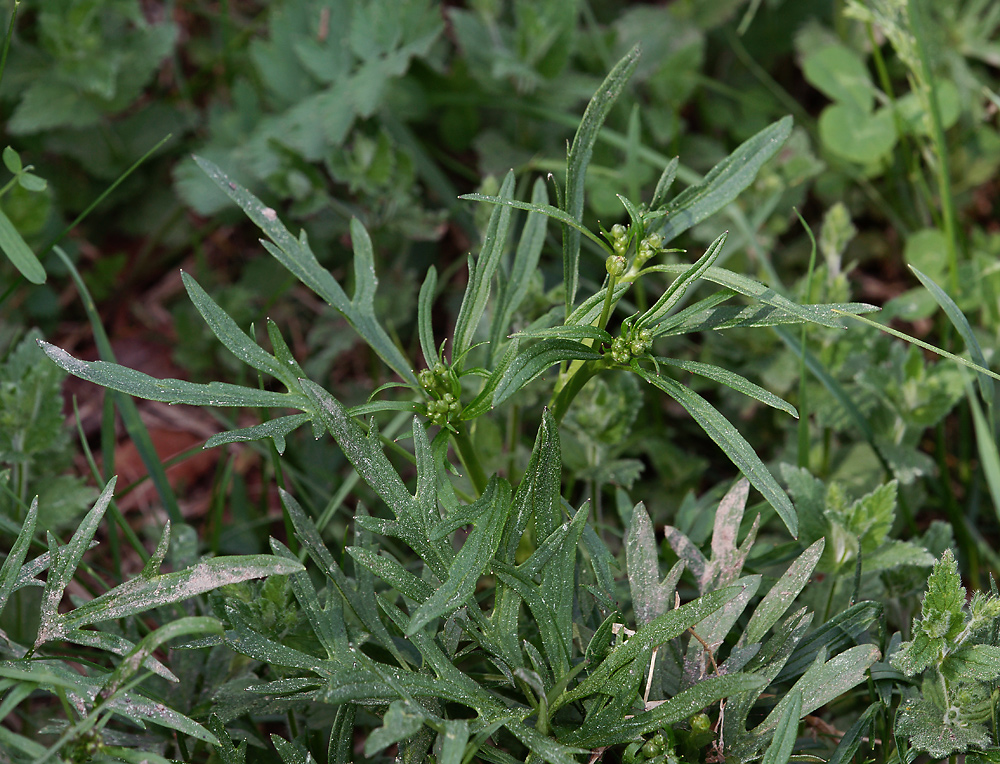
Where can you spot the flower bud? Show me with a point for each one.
(615, 264)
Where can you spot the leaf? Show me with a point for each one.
(833, 636)
(12, 160)
(135, 383)
(453, 739)
(961, 324)
(840, 74)
(481, 270)
(735, 381)
(780, 750)
(401, 721)
(681, 706)
(64, 562)
(277, 429)
(851, 742)
(822, 683)
(858, 136)
(730, 441)
(824, 315)
(425, 323)
(471, 561)
(653, 634)
(680, 286)
(529, 249)
(724, 182)
(664, 183)
(230, 335)
(19, 253)
(298, 258)
(651, 598)
(578, 332)
(15, 557)
(578, 159)
(708, 315)
(777, 601)
(141, 594)
(533, 361)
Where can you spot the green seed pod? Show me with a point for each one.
(615, 264)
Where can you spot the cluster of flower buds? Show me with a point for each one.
(620, 237)
(630, 344)
(442, 410)
(444, 405)
(647, 248)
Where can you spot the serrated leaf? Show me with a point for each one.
(19, 253)
(276, 429)
(730, 441)
(725, 181)
(531, 362)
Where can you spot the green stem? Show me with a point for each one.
(609, 297)
(10, 35)
(470, 460)
(561, 400)
(943, 169)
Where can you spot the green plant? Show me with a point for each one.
(955, 657)
(381, 621)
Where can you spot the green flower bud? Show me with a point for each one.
(700, 723)
(651, 750)
(426, 379)
(615, 264)
(654, 241)
(440, 370)
(618, 231)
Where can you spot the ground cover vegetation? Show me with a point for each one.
(564, 381)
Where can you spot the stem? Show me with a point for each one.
(562, 399)
(470, 460)
(10, 35)
(943, 169)
(608, 302)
